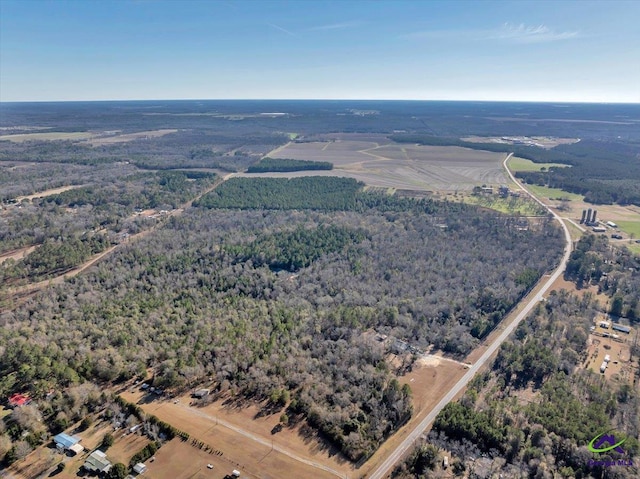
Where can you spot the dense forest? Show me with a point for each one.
(271, 291)
(285, 164)
(605, 172)
(538, 408)
(205, 297)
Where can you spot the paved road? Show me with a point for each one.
(384, 468)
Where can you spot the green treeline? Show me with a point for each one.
(320, 193)
(317, 192)
(602, 171)
(297, 249)
(481, 427)
(286, 164)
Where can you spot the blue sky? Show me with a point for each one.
(455, 50)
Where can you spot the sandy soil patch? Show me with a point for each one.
(141, 135)
(180, 460)
(254, 450)
(17, 254)
(53, 191)
(50, 136)
(571, 287)
(620, 368)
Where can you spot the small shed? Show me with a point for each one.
(200, 393)
(139, 468)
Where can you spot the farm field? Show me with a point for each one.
(416, 167)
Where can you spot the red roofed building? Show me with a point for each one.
(18, 400)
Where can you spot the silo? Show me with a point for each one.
(589, 216)
(593, 219)
(584, 215)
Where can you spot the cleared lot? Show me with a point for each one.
(416, 167)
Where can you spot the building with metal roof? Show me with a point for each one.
(97, 462)
(65, 441)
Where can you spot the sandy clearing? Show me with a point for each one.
(53, 191)
(50, 136)
(17, 254)
(255, 450)
(127, 137)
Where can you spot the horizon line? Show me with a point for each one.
(588, 102)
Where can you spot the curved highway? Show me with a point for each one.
(385, 467)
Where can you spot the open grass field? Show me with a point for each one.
(520, 164)
(545, 193)
(633, 247)
(523, 206)
(390, 165)
(630, 227)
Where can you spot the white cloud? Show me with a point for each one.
(507, 32)
(525, 34)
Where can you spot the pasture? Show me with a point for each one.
(545, 193)
(520, 164)
(390, 165)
